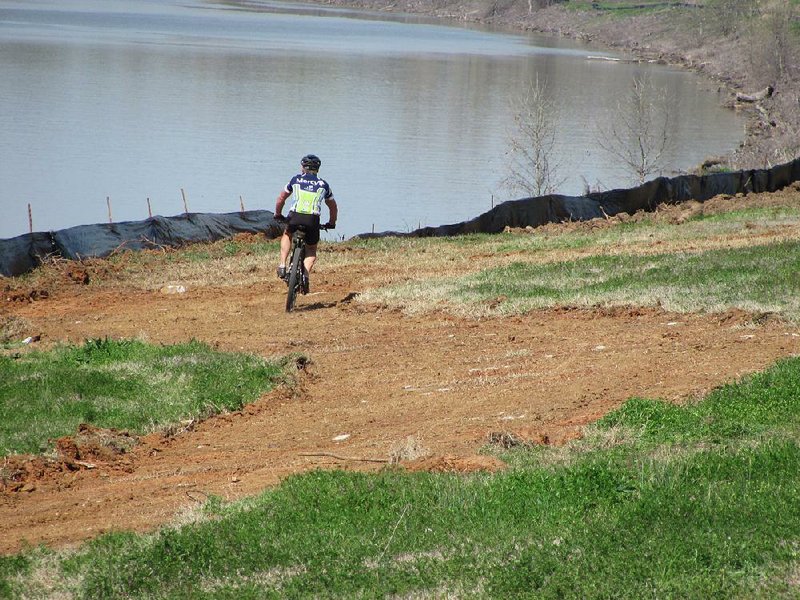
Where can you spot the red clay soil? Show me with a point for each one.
(375, 377)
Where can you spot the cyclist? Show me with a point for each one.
(309, 192)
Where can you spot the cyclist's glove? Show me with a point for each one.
(329, 225)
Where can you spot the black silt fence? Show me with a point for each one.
(555, 208)
(23, 253)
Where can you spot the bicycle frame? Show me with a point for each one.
(296, 268)
(296, 275)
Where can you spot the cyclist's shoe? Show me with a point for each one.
(305, 283)
(281, 272)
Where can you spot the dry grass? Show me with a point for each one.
(437, 272)
(413, 273)
(411, 448)
(416, 260)
(47, 580)
(273, 578)
(557, 457)
(14, 329)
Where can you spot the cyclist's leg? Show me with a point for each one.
(286, 246)
(312, 239)
(311, 257)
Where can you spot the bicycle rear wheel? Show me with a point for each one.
(295, 276)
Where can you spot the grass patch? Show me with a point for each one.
(753, 409)
(12, 567)
(703, 228)
(757, 279)
(700, 502)
(123, 385)
(621, 8)
(13, 331)
(250, 260)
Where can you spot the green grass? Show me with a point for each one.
(759, 406)
(12, 566)
(649, 230)
(757, 279)
(694, 502)
(619, 8)
(120, 384)
(534, 270)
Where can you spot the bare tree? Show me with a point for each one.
(531, 170)
(640, 135)
(778, 40)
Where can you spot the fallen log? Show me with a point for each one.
(758, 96)
(339, 457)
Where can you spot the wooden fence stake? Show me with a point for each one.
(30, 218)
(149, 209)
(241, 203)
(108, 203)
(185, 207)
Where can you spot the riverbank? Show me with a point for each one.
(742, 53)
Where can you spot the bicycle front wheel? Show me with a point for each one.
(295, 277)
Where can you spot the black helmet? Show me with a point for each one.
(311, 162)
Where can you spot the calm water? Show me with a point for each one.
(138, 99)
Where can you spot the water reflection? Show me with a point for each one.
(411, 121)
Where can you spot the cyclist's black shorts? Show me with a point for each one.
(309, 222)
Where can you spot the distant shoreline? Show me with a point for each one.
(771, 127)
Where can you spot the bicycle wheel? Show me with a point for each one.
(295, 276)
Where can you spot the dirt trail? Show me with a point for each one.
(375, 375)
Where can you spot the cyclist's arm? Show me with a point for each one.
(333, 209)
(280, 202)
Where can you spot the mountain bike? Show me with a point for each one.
(296, 275)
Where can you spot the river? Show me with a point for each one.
(108, 105)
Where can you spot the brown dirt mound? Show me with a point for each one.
(90, 448)
(531, 436)
(93, 444)
(455, 464)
